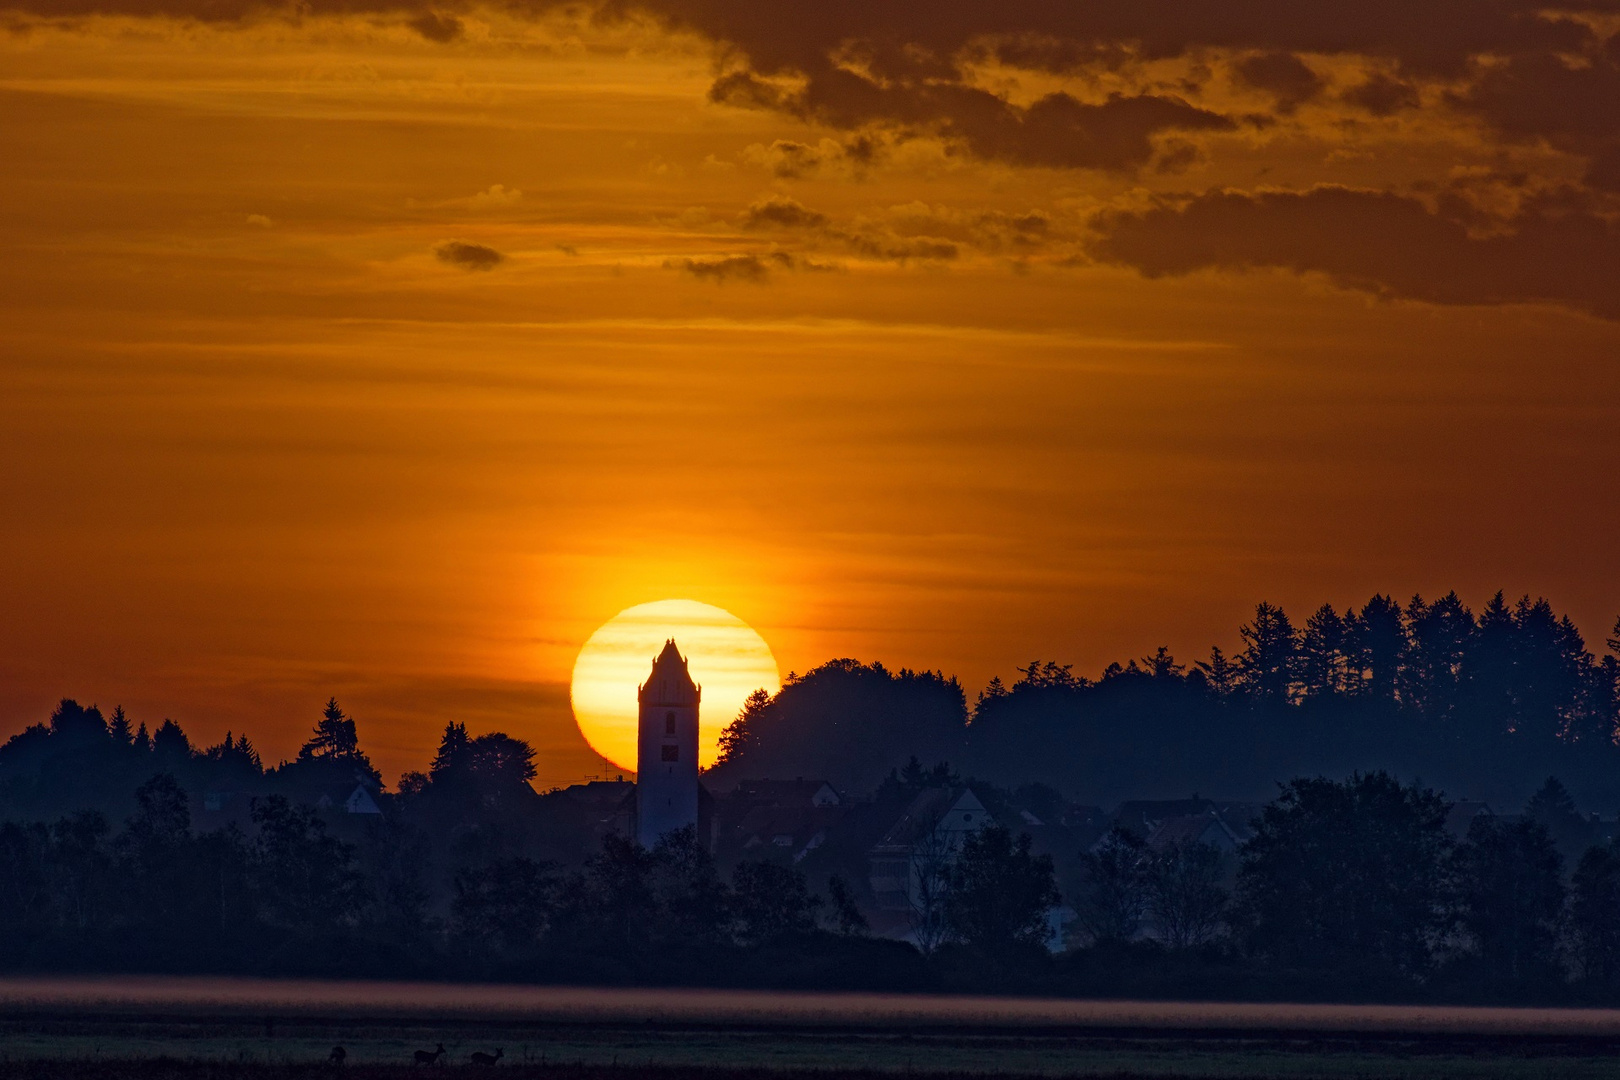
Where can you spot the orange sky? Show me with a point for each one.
(336, 358)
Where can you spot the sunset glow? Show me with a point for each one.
(725, 656)
(379, 350)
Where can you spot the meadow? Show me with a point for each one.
(239, 1029)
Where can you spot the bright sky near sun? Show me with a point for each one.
(389, 354)
(725, 656)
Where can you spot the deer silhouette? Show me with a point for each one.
(425, 1057)
(481, 1058)
(337, 1055)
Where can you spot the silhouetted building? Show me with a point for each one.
(917, 848)
(778, 818)
(1140, 817)
(1206, 828)
(667, 749)
(348, 800)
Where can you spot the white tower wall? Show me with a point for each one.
(667, 749)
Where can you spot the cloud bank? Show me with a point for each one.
(1137, 90)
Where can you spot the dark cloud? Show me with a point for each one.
(1554, 250)
(783, 212)
(468, 256)
(1382, 95)
(1283, 75)
(1062, 132)
(873, 245)
(898, 63)
(745, 90)
(911, 39)
(749, 268)
(436, 26)
(911, 233)
(1570, 102)
(1177, 156)
(1530, 71)
(788, 159)
(1056, 130)
(794, 160)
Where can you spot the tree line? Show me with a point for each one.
(1358, 887)
(1484, 703)
(1349, 889)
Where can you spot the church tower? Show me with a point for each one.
(667, 749)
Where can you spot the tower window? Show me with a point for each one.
(672, 752)
(669, 723)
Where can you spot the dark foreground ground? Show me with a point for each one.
(167, 1029)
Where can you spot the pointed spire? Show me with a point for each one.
(670, 683)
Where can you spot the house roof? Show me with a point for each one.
(1240, 817)
(351, 798)
(1206, 828)
(600, 794)
(787, 793)
(1142, 816)
(928, 809)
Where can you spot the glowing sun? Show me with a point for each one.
(725, 656)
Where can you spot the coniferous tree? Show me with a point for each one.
(334, 735)
(1267, 664)
(1554, 809)
(1220, 674)
(994, 690)
(743, 734)
(1161, 665)
(1488, 673)
(1378, 644)
(1322, 659)
(452, 752)
(118, 728)
(1441, 635)
(170, 745)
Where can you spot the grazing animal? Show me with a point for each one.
(481, 1058)
(424, 1057)
(337, 1055)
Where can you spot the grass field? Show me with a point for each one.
(257, 1030)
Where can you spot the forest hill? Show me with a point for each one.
(129, 850)
(1486, 706)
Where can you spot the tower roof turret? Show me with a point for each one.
(670, 683)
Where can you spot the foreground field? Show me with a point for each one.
(201, 1029)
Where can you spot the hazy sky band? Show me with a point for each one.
(388, 351)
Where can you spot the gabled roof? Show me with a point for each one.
(349, 798)
(600, 794)
(1142, 816)
(1193, 829)
(788, 793)
(954, 809)
(670, 683)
